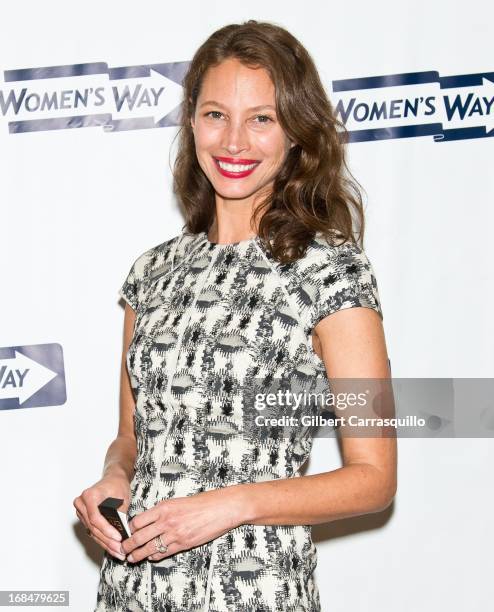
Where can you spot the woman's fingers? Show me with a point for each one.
(106, 543)
(109, 544)
(149, 550)
(81, 512)
(95, 518)
(171, 550)
(142, 536)
(112, 552)
(141, 542)
(81, 518)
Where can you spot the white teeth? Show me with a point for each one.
(235, 167)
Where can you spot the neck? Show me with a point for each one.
(233, 220)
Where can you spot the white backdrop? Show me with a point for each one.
(79, 205)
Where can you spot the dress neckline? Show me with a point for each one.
(218, 245)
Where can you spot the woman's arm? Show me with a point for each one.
(352, 345)
(119, 462)
(121, 454)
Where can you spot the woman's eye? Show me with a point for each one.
(213, 113)
(265, 118)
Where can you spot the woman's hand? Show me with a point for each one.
(185, 522)
(98, 527)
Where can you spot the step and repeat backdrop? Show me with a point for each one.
(89, 100)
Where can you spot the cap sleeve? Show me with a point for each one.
(344, 278)
(131, 288)
(149, 266)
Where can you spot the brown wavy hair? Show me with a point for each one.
(314, 190)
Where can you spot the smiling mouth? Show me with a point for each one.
(235, 168)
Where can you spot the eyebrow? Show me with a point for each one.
(253, 108)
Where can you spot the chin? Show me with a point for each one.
(233, 193)
(234, 196)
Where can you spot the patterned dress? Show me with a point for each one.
(210, 320)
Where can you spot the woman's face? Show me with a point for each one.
(239, 142)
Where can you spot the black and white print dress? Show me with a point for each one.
(210, 318)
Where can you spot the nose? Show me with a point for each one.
(235, 137)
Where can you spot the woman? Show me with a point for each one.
(255, 288)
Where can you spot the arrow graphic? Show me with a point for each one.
(22, 377)
(416, 104)
(93, 95)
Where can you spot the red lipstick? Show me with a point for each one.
(236, 161)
